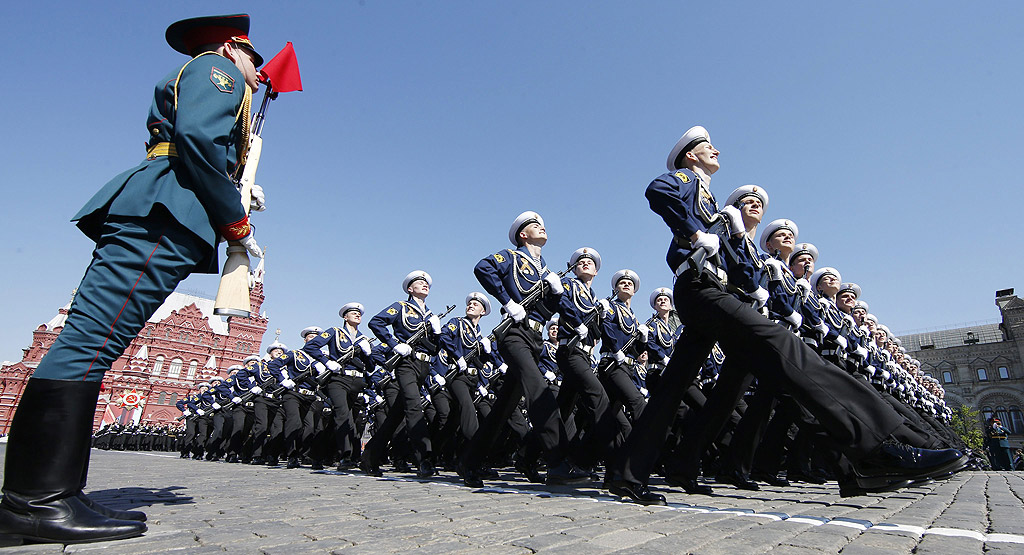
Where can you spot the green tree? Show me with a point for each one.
(966, 424)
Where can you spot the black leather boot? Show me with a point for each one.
(103, 509)
(43, 472)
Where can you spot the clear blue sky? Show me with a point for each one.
(890, 132)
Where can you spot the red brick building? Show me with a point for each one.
(183, 344)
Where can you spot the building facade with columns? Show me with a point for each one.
(980, 366)
(183, 344)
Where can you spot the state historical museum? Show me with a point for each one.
(183, 344)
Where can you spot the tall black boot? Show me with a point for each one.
(43, 472)
(103, 509)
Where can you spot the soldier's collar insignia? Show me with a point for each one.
(220, 79)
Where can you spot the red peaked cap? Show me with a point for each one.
(187, 35)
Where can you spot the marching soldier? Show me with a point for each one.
(153, 225)
(296, 370)
(623, 339)
(268, 418)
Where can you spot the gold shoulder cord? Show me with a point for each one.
(244, 110)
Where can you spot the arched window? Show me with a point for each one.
(1003, 416)
(1016, 420)
(192, 369)
(1004, 373)
(982, 375)
(947, 377)
(174, 398)
(158, 365)
(163, 397)
(986, 413)
(175, 369)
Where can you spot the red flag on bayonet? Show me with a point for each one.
(283, 71)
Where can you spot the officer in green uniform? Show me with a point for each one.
(153, 225)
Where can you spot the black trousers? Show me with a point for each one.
(520, 348)
(583, 389)
(242, 417)
(856, 419)
(621, 389)
(298, 423)
(268, 423)
(409, 373)
(220, 433)
(343, 390)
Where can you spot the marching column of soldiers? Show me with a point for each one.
(757, 367)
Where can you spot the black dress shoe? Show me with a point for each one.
(232, 458)
(689, 485)
(368, 467)
(317, 465)
(488, 473)
(638, 493)
(111, 513)
(895, 461)
(848, 487)
(807, 477)
(346, 465)
(770, 479)
(567, 474)
(529, 470)
(402, 466)
(426, 469)
(736, 479)
(470, 476)
(257, 460)
(293, 462)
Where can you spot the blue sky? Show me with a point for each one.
(887, 131)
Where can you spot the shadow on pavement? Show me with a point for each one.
(133, 497)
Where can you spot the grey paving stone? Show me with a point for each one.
(942, 545)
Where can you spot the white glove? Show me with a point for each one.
(236, 400)
(364, 344)
(804, 286)
(503, 368)
(644, 392)
(288, 384)
(200, 412)
(665, 360)
(435, 324)
(439, 380)
(760, 296)
(365, 398)
(885, 375)
(187, 412)
(774, 269)
(515, 311)
(258, 202)
(320, 368)
(378, 399)
(462, 364)
(644, 331)
(256, 390)
(605, 305)
(871, 370)
(582, 330)
(620, 356)
(861, 352)
(708, 241)
(795, 318)
(735, 218)
(333, 366)
(482, 390)
(403, 349)
(842, 342)
(822, 328)
(486, 344)
(250, 245)
(554, 282)
(216, 406)
(550, 376)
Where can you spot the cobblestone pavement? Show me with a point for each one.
(204, 507)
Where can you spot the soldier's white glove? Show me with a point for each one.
(256, 390)
(236, 400)
(795, 318)
(665, 360)
(364, 344)
(515, 311)
(644, 332)
(482, 390)
(760, 296)
(288, 384)
(249, 242)
(216, 406)
(822, 328)
(554, 282)
(774, 269)
(620, 356)
(200, 412)
(605, 305)
(582, 330)
(435, 324)
(804, 286)
(886, 375)
(378, 399)
(861, 352)
(320, 368)
(439, 380)
(463, 366)
(258, 202)
(503, 368)
(707, 241)
(486, 344)
(550, 376)
(644, 392)
(333, 366)
(365, 398)
(841, 341)
(403, 349)
(187, 413)
(735, 219)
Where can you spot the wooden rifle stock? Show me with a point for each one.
(233, 292)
